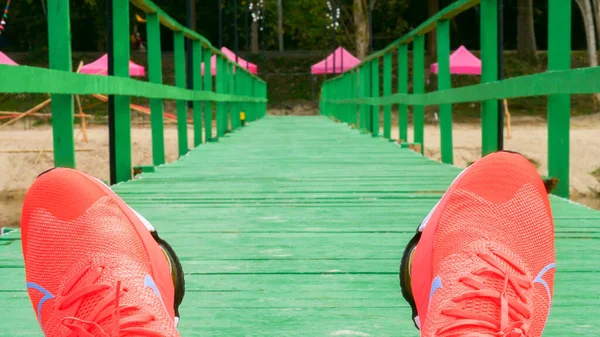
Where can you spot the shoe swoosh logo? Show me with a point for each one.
(47, 296)
(435, 286)
(149, 282)
(540, 279)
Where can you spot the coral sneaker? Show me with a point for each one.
(92, 265)
(483, 261)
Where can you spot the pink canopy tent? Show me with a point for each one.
(343, 61)
(100, 67)
(6, 60)
(251, 67)
(462, 62)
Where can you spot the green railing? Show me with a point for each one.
(235, 89)
(354, 97)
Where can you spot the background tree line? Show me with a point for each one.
(305, 22)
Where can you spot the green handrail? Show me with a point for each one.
(62, 83)
(349, 94)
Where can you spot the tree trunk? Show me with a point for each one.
(362, 28)
(526, 44)
(433, 8)
(280, 23)
(590, 34)
(596, 5)
(254, 42)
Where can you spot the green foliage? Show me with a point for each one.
(304, 24)
(305, 21)
(387, 27)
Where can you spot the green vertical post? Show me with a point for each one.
(365, 90)
(122, 111)
(247, 87)
(225, 113)
(235, 114)
(59, 41)
(489, 73)
(227, 90)
(233, 105)
(336, 95)
(256, 93)
(241, 91)
(180, 82)
(444, 83)
(219, 90)
(233, 91)
(419, 88)
(264, 96)
(325, 97)
(375, 109)
(339, 94)
(342, 111)
(344, 95)
(559, 106)
(339, 108)
(230, 86)
(197, 85)
(253, 90)
(329, 106)
(241, 87)
(155, 76)
(321, 102)
(224, 90)
(354, 94)
(403, 89)
(334, 92)
(387, 91)
(256, 90)
(362, 93)
(208, 105)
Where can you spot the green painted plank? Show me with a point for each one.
(575, 81)
(41, 80)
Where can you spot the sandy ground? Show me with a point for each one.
(18, 170)
(530, 137)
